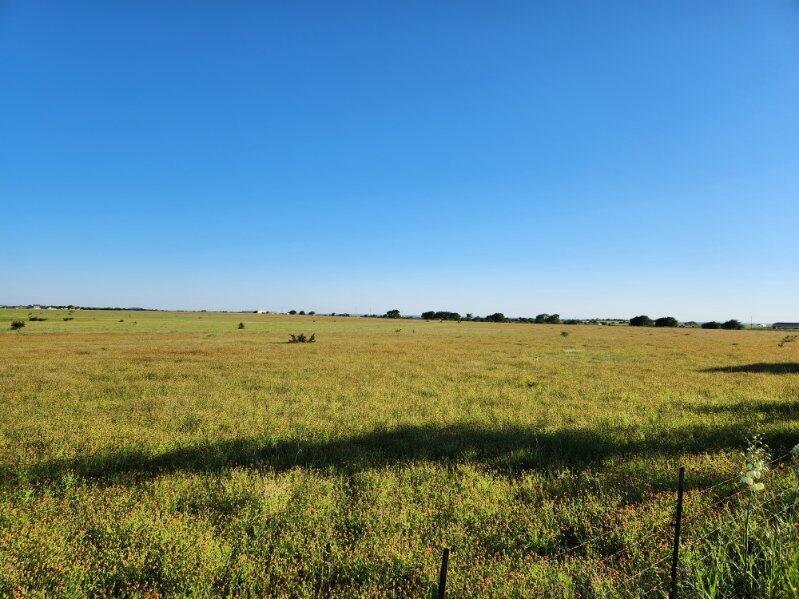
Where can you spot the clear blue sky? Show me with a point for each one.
(586, 158)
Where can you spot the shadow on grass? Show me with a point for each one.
(509, 450)
(759, 367)
(762, 412)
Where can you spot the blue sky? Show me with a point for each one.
(586, 158)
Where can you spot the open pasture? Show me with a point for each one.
(155, 453)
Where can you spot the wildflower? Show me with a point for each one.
(755, 458)
(755, 464)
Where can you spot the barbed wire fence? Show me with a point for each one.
(667, 567)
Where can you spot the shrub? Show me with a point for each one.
(666, 321)
(393, 313)
(302, 312)
(564, 333)
(641, 321)
(241, 325)
(495, 317)
(17, 324)
(553, 319)
(37, 318)
(711, 325)
(732, 325)
(292, 312)
(68, 318)
(301, 338)
(788, 339)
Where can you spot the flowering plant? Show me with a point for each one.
(755, 463)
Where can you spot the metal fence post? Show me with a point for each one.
(675, 558)
(442, 574)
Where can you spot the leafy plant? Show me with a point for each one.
(301, 338)
(17, 324)
(241, 325)
(37, 318)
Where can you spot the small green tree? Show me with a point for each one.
(292, 312)
(732, 325)
(241, 325)
(496, 317)
(641, 321)
(711, 325)
(393, 313)
(553, 319)
(17, 324)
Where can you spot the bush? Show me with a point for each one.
(17, 324)
(553, 319)
(301, 338)
(732, 325)
(495, 317)
(68, 318)
(666, 321)
(241, 325)
(564, 333)
(711, 325)
(788, 339)
(393, 313)
(292, 312)
(37, 318)
(641, 321)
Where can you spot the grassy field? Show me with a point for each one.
(154, 454)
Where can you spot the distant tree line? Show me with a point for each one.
(637, 321)
(495, 317)
(669, 321)
(732, 325)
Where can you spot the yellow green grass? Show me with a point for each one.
(155, 453)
